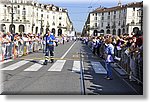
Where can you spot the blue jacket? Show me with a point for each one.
(50, 38)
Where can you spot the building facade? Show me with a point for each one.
(122, 19)
(29, 16)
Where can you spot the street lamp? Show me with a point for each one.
(12, 18)
(41, 29)
(141, 16)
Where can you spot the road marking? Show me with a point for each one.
(57, 66)
(34, 67)
(68, 50)
(75, 56)
(5, 61)
(15, 66)
(98, 68)
(76, 66)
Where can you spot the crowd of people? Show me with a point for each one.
(15, 45)
(128, 52)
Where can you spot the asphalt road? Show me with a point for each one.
(63, 76)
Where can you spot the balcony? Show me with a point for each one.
(92, 28)
(63, 27)
(107, 27)
(122, 26)
(114, 26)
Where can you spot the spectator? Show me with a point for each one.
(109, 51)
(9, 46)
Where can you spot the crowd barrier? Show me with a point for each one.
(132, 63)
(13, 50)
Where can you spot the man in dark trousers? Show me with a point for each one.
(45, 43)
(50, 47)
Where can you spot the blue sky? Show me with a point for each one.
(79, 9)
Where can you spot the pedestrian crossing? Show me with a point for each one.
(56, 67)
(76, 66)
(6, 61)
(34, 67)
(98, 68)
(16, 65)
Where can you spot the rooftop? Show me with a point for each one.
(134, 4)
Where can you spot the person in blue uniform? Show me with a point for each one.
(50, 47)
(109, 51)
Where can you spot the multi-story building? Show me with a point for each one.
(121, 19)
(29, 16)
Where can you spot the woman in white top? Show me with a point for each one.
(109, 51)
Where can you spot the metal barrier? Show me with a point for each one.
(131, 63)
(15, 49)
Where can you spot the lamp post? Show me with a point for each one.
(141, 19)
(12, 18)
(140, 12)
(41, 29)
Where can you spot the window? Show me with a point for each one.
(101, 24)
(114, 16)
(133, 14)
(119, 11)
(4, 11)
(95, 24)
(114, 23)
(119, 15)
(123, 22)
(59, 24)
(42, 15)
(119, 23)
(124, 10)
(114, 12)
(24, 11)
(131, 22)
(60, 18)
(53, 23)
(95, 18)
(9, 10)
(18, 12)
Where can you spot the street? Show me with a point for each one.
(28, 75)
